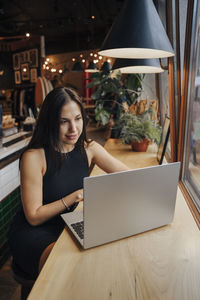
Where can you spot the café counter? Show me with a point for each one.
(9, 184)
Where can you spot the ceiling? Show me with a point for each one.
(67, 25)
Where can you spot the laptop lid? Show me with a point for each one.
(122, 204)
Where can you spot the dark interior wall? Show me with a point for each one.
(6, 71)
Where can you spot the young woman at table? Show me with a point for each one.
(52, 171)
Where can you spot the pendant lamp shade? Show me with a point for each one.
(77, 67)
(137, 33)
(92, 68)
(106, 67)
(137, 65)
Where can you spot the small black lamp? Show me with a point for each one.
(92, 67)
(137, 65)
(137, 33)
(77, 67)
(106, 67)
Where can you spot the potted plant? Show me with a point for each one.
(111, 92)
(138, 130)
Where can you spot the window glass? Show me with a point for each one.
(191, 167)
(164, 96)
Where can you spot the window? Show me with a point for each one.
(191, 154)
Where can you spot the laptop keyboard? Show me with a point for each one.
(79, 229)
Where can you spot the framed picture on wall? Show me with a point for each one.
(164, 140)
(33, 56)
(33, 75)
(25, 71)
(22, 58)
(17, 77)
(26, 56)
(16, 61)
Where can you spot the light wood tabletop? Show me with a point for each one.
(161, 264)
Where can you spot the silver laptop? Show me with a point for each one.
(122, 204)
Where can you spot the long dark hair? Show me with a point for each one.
(46, 133)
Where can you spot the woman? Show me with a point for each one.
(52, 171)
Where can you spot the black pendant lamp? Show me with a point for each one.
(92, 67)
(77, 67)
(137, 33)
(138, 66)
(106, 67)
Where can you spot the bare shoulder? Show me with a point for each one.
(33, 154)
(34, 158)
(94, 147)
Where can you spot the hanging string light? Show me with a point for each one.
(92, 60)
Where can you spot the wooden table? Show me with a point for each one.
(162, 264)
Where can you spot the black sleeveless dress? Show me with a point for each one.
(28, 242)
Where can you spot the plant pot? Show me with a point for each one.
(140, 146)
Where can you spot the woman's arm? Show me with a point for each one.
(104, 160)
(32, 170)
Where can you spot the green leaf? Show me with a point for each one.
(103, 116)
(93, 83)
(96, 94)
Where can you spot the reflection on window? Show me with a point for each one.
(191, 174)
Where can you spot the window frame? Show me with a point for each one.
(185, 96)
